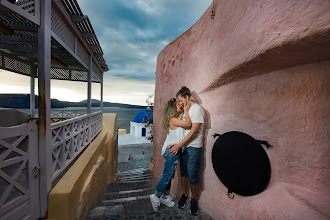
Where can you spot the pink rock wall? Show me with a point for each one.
(263, 68)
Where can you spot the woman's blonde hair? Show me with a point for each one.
(168, 113)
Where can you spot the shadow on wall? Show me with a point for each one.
(207, 127)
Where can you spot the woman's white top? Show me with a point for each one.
(173, 137)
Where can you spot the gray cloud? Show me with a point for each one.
(132, 33)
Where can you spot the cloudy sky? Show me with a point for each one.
(132, 33)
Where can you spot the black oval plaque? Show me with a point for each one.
(241, 163)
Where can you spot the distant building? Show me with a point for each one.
(138, 127)
(139, 131)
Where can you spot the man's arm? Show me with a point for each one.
(194, 129)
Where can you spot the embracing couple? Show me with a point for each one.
(183, 120)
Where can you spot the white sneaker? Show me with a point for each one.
(167, 200)
(155, 202)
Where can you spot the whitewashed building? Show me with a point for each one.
(139, 131)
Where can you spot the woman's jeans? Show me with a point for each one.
(164, 183)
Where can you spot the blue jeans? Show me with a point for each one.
(190, 160)
(164, 183)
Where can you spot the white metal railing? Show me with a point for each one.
(70, 137)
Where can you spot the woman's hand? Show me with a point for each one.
(174, 150)
(186, 107)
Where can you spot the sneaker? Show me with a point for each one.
(194, 207)
(182, 201)
(167, 200)
(155, 202)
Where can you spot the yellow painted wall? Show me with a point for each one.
(93, 171)
(121, 131)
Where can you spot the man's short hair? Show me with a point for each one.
(183, 92)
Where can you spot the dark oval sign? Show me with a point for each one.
(241, 163)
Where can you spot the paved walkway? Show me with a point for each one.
(128, 197)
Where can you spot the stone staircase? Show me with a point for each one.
(131, 185)
(128, 198)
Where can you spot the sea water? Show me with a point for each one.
(124, 115)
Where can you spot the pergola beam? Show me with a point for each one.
(21, 27)
(18, 39)
(5, 29)
(22, 48)
(94, 47)
(88, 35)
(78, 18)
(59, 63)
(33, 17)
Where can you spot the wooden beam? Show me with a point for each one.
(94, 47)
(22, 48)
(33, 17)
(5, 29)
(59, 63)
(18, 39)
(78, 18)
(22, 27)
(87, 35)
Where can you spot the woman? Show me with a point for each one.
(173, 125)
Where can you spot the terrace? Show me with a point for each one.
(45, 40)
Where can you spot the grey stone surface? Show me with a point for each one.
(135, 152)
(139, 207)
(113, 210)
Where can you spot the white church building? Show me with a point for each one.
(139, 131)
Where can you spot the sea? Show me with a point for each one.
(124, 115)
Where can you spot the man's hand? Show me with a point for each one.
(174, 150)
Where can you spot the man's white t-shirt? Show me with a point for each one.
(196, 114)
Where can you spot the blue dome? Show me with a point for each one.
(141, 115)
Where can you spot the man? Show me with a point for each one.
(191, 156)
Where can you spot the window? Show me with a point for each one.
(144, 132)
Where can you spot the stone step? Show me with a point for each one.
(135, 176)
(124, 200)
(127, 194)
(138, 170)
(134, 179)
(125, 186)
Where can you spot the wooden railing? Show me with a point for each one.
(19, 171)
(70, 137)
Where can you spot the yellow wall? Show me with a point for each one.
(93, 171)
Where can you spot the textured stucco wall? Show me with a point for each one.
(263, 68)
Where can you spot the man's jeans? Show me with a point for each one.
(190, 160)
(164, 183)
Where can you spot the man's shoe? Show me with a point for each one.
(182, 201)
(194, 207)
(167, 200)
(155, 202)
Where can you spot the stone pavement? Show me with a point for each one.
(128, 197)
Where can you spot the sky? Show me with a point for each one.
(131, 33)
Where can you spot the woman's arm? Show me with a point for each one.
(194, 129)
(181, 123)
